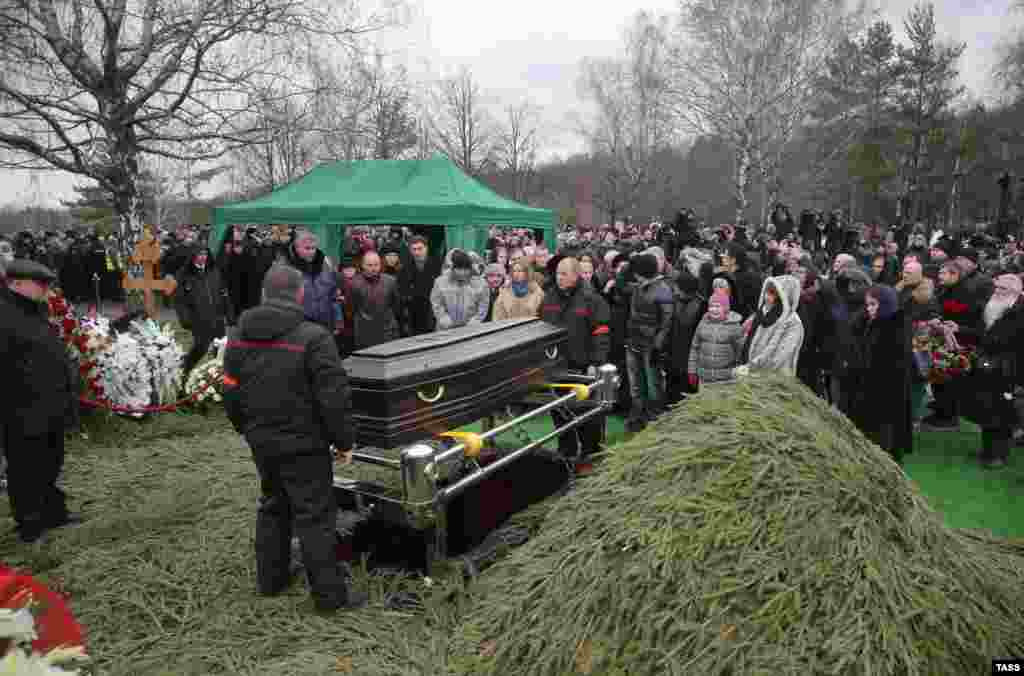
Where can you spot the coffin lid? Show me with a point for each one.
(436, 355)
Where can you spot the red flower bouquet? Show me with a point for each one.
(80, 343)
(938, 354)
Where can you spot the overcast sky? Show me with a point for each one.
(530, 50)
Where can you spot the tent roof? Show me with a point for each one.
(385, 192)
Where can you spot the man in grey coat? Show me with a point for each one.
(459, 298)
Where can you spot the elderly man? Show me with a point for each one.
(320, 280)
(459, 298)
(1001, 347)
(34, 366)
(585, 315)
(287, 393)
(376, 304)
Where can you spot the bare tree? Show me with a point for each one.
(746, 71)
(518, 145)
(91, 86)
(633, 124)
(286, 145)
(461, 126)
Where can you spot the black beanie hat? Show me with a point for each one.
(461, 261)
(644, 265)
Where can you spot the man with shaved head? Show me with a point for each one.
(584, 314)
(992, 407)
(376, 305)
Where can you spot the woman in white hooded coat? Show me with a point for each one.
(775, 332)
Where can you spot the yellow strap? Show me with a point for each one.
(582, 391)
(471, 440)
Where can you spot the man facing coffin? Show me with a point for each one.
(585, 315)
(287, 393)
(459, 297)
(375, 304)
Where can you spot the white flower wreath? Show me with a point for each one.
(141, 367)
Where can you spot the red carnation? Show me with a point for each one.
(68, 325)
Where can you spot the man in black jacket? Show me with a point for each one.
(584, 313)
(287, 393)
(202, 304)
(415, 282)
(35, 367)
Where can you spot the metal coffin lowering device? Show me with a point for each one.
(442, 492)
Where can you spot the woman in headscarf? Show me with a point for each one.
(880, 375)
(775, 332)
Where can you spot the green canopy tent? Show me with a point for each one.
(431, 192)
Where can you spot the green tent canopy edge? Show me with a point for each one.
(433, 192)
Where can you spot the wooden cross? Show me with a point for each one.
(147, 254)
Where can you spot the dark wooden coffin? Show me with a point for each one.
(415, 388)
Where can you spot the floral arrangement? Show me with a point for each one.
(938, 354)
(85, 338)
(205, 383)
(38, 634)
(142, 367)
(136, 368)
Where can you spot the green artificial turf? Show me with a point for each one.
(968, 495)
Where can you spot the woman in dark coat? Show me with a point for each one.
(690, 306)
(881, 372)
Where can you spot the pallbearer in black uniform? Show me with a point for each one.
(584, 313)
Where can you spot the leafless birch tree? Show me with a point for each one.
(746, 71)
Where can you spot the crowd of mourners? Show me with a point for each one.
(682, 305)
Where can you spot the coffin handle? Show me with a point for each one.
(431, 400)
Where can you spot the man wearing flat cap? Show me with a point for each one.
(36, 369)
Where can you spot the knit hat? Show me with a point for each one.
(461, 260)
(644, 265)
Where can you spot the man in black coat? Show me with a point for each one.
(287, 393)
(990, 403)
(35, 367)
(961, 309)
(415, 282)
(202, 304)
